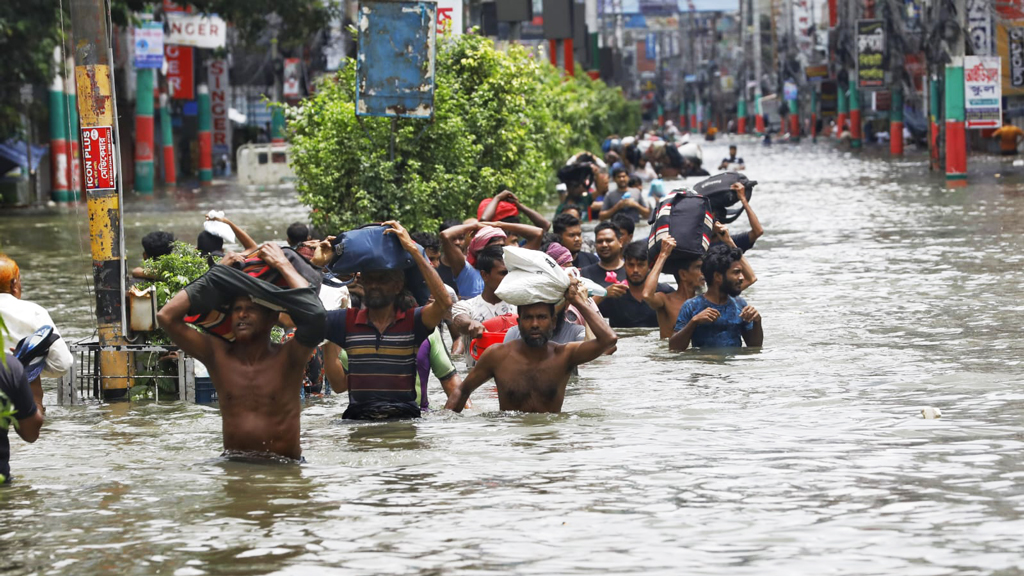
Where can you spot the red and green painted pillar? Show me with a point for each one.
(144, 175)
(277, 125)
(933, 123)
(661, 115)
(692, 124)
(167, 141)
(682, 115)
(758, 114)
(956, 136)
(855, 125)
(741, 116)
(60, 168)
(74, 152)
(205, 136)
(841, 111)
(896, 123)
(794, 118)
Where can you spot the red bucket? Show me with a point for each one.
(485, 341)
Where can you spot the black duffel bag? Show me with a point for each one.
(687, 217)
(718, 189)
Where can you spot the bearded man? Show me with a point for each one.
(531, 372)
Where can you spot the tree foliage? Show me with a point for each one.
(501, 120)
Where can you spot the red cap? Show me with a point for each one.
(505, 209)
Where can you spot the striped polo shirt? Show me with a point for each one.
(381, 365)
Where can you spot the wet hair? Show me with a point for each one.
(684, 263)
(635, 182)
(488, 256)
(635, 251)
(624, 223)
(511, 219)
(554, 316)
(719, 259)
(297, 233)
(563, 221)
(405, 300)
(448, 224)
(549, 238)
(207, 243)
(156, 244)
(606, 225)
(427, 240)
(619, 170)
(8, 273)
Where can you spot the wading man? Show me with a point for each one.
(531, 372)
(258, 382)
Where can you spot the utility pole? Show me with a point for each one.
(758, 111)
(100, 155)
(741, 76)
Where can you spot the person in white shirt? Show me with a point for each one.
(468, 315)
(22, 318)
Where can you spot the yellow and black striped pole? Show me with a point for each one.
(101, 163)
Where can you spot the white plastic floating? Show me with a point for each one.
(931, 413)
(1018, 163)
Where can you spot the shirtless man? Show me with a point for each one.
(531, 372)
(689, 279)
(257, 381)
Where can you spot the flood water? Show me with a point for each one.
(881, 293)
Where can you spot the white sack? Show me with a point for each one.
(219, 228)
(533, 277)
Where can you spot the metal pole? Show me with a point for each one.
(94, 80)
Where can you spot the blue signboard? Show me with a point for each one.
(651, 48)
(395, 64)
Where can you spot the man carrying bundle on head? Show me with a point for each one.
(531, 372)
(383, 338)
(258, 382)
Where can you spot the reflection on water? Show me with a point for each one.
(882, 292)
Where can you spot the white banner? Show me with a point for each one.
(449, 17)
(983, 93)
(196, 30)
(149, 45)
(220, 103)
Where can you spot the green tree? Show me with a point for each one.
(501, 120)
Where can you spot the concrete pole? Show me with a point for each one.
(276, 113)
(205, 136)
(933, 123)
(896, 123)
(841, 108)
(96, 105)
(60, 169)
(814, 114)
(758, 110)
(855, 125)
(956, 133)
(167, 139)
(144, 175)
(74, 152)
(741, 115)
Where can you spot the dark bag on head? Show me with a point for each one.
(576, 174)
(687, 218)
(719, 190)
(368, 249)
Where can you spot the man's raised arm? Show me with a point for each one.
(605, 337)
(652, 297)
(435, 311)
(193, 342)
(452, 254)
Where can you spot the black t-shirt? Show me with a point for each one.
(628, 312)
(584, 259)
(597, 274)
(14, 384)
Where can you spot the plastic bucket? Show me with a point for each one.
(485, 341)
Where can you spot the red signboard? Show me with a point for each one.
(180, 71)
(98, 158)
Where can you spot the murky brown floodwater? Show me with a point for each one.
(881, 291)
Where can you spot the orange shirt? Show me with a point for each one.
(1008, 137)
